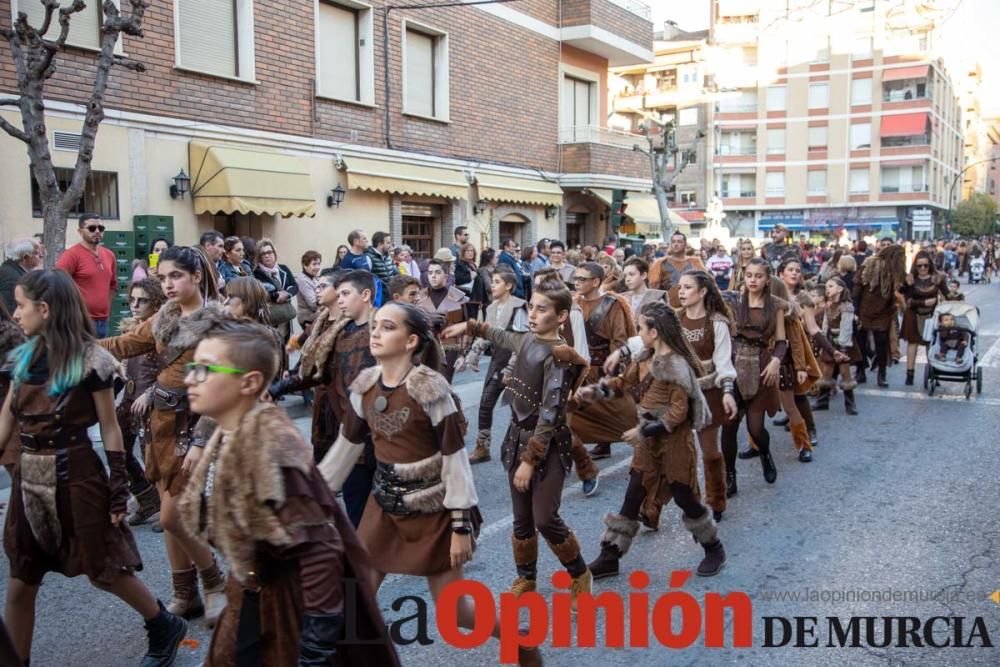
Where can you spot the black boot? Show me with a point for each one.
(605, 565)
(749, 453)
(767, 465)
(822, 401)
(615, 542)
(715, 558)
(165, 632)
(731, 488)
(780, 420)
(813, 439)
(882, 381)
(849, 405)
(861, 377)
(909, 378)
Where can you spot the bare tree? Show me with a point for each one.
(661, 148)
(35, 62)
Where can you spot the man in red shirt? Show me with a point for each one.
(92, 268)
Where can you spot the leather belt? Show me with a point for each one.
(59, 439)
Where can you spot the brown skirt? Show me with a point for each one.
(164, 456)
(670, 458)
(713, 397)
(604, 421)
(417, 544)
(86, 542)
(767, 399)
(913, 326)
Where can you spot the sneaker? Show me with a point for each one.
(589, 486)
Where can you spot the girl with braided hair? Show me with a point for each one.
(881, 276)
(664, 382)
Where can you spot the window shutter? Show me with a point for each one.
(859, 180)
(338, 51)
(582, 105)
(84, 26)
(861, 136)
(207, 34)
(861, 91)
(419, 73)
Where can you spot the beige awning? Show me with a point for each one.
(645, 214)
(227, 179)
(605, 196)
(519, 190)
(405, 179)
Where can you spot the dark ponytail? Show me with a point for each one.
(415, 320)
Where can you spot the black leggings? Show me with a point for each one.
(802, 403)
(682, 494)
(881, 348)
(730, 434)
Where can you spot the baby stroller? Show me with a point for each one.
(977, 270)
(953, 368)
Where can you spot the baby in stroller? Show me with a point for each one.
(950, 338)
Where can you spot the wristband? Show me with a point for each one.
(117, 482)
(728, 387)
(461, 522)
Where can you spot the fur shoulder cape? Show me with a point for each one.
(248, 486)
(673, 369)
(98, 360)
(10, 337)
(425, 386)
(322, 340)
(175, 334)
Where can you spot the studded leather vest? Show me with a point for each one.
(526, 382)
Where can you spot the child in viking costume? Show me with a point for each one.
(145, 299)
(875, 287)
(192, 308)
(423, 516)
(257, 497)
(11, 336)
(335, 353)
(536, 448)
(67, 514)
(838, 328)
(671, 407)
(505, 311)
(759, 348)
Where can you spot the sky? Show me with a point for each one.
(966, 35)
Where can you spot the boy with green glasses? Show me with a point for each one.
(257, 497)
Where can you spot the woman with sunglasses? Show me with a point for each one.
(175, 446)
(922, 288)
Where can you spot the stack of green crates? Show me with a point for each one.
(122, 244)
(149, 227)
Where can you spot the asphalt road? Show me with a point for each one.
(900, 501)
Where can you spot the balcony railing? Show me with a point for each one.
(903, 95)
(737, 150)
(743, 194)
(913, 187)
(776, 192)
(736, 108)
(912, 140)
(592, 134)
(638, 8)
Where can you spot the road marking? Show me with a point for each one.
(918, 396)
(992, 357)
(506, 522)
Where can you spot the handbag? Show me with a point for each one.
(281, 312)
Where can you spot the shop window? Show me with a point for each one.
(100, 194)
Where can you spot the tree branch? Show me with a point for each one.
(51, 7)
(13, 131)
(10, 102)
(129, 63)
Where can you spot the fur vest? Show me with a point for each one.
(319, 346)
(248, 486)
(175, 334)
(428, 388)
(673, 369)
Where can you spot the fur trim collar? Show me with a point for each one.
(427, 387)
(102, 362)
(804, 300)
(248, 487)
(10, 337)
(319, 346)
(673, 369)
(175, 334)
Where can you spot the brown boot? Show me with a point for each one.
(148, 506)
(715, 480)
(526, 561)
(585, 468)
(186, 602)
(214, 584)
(707, 535)
(481, 452)
(568, 552)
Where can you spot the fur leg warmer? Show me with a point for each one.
(703, 528)
(567, 551)
(619, 531)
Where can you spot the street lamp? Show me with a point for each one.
(181, 185)
(954, 182)
(336, 196)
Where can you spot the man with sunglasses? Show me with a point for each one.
(92, 267)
